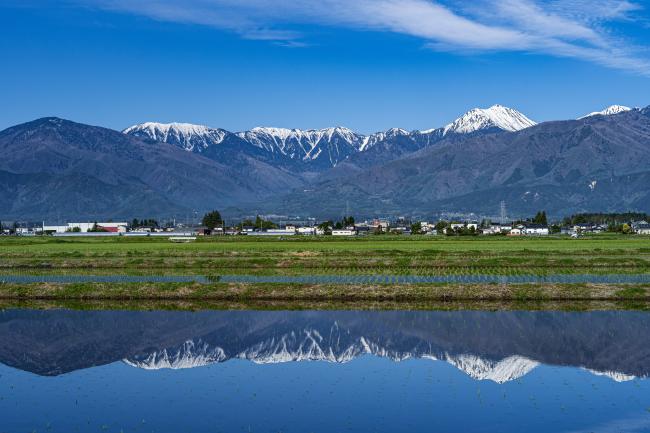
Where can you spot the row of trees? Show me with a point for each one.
(213, 219)
(609, 219)
(259, 223)
(624, 228)
(327, 226)
(149, 222)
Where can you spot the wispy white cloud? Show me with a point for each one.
(596, 10)
(566, 28)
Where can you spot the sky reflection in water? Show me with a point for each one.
(505, 372)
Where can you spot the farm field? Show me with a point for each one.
(374, 268)
(387, 255)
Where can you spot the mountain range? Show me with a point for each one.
(496, 346)
(54, 168)
(324, 149)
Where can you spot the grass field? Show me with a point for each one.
(40, 245)
(395, 255)
(373, 255)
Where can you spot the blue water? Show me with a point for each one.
(337, 279)
(67, 372)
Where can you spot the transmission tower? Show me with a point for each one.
(504, 216)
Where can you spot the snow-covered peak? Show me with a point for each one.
(311, 345)
(370, 140)
(392, 132)
(497, 116)
(189, 355)
(312, 134)
(611, 110)
(507, 369)
(307, 145)
(281, 133)
(186, 135)
(614, 375)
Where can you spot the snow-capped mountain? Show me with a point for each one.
(328, 146)
(609, 111)
(189, 355)
(614, 375)
(378, 137)
(494, 346)
(193, 138)
(310, 345)
(321, 149)
(505, 370)
(483, 119)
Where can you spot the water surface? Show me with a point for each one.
(324, 371)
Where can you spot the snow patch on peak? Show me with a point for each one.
(166, 128)
(609, 111)
(497, 116)
(189, 355)
(273, 132)
(186, 135)
(369, 141)
(507, 369)
(336, 143)
(614, 375)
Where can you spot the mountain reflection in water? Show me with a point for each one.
(324, 371)
(498, 346)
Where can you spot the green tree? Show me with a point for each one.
(347, 221)
(246, 223)
(416, 228)
(580, 219)
(265, 224)
(540, 218)
(212, 220)
(614, 228)
(441, 227)
(326, 227)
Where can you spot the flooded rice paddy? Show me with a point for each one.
(335, 279)
(324, 371)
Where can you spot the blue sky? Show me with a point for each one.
(365, 64)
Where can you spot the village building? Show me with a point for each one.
(306, 230)
(280, 232)
(642, 228)
(496, 229)
(535, 230)
(469, 225)
(383, 225)
(362, 229)
(344, 232)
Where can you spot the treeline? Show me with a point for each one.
(609, 219)
(148, 222)
(259, 223)
(328, 226)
